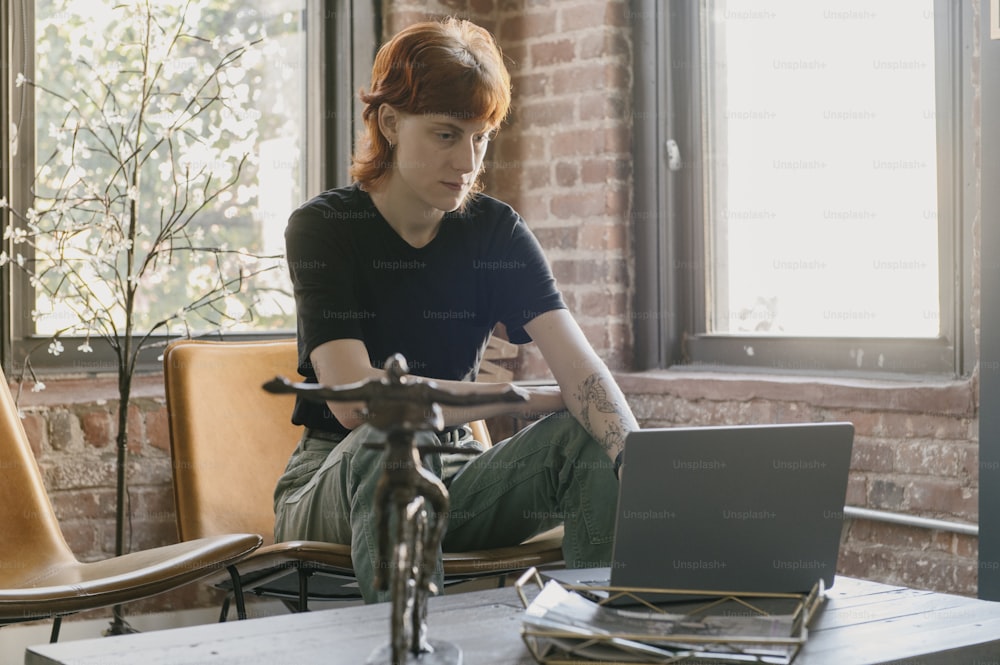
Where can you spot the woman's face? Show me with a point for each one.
(436, 158)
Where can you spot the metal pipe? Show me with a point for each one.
(910, 520)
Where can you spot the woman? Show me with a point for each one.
(411, 259)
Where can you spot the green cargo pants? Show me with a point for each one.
(552, 472)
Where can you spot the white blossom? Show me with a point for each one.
(38, 387)
(56, 347)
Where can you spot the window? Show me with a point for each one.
(807, 186)
(279, 111)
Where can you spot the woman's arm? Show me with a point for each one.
(588, 389)
(345, 361)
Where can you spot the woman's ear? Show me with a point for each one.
(388, 123)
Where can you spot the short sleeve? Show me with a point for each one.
(322, 275)
(529, 288)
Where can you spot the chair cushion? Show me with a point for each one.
(74, 586)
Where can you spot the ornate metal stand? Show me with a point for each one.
(408, 495)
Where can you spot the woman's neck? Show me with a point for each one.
(412, 220)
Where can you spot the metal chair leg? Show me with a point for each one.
(56, 624)
(224, 613)
(304, 589)
(241, 610)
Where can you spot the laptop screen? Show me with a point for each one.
(754, 508)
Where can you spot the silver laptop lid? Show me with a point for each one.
(744, 508)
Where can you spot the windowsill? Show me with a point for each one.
(954, 397)
(90, 390)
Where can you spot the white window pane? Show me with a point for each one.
(85, 64)
(821, 168)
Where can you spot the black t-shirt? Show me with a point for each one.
(355, 278)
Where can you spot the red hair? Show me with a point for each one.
(453, 67)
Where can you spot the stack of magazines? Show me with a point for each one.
(561, 626)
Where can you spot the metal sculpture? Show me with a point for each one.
(407, 493)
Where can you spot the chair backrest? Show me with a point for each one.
(229, 439)
(32, 537)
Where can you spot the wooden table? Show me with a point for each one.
(861, 623)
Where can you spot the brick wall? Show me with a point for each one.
(915, 453)
(564, 162)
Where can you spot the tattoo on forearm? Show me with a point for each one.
(593, 396)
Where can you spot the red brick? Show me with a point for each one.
(515, 57)
(536, 176)
(482, 6)
(98, 428)
(869, 455)
(552, 53)
(546, 113)
(89, 504)
(532, 206)
(147, 534)
(926, 457)
(602, 45)
(604, 169)
(942, 496)
(577, 79)
(617, 201)
(895, 535)
(923, 422)
(602, 106)
(866, 424)
(510, 148)
(521, 26)
(567, 174)
(397, 20)
(886, 494)
(602, 236)
(527, 83)
(968, 462)
(82, 538)
(35, 429)
(598, 304)
(589, 142)
(578, 204)
(965, 546)
(64, 430)
(966, 578)
(589, 271)
(158, 428)
(857, 490)
(136, 431)
(557, 237)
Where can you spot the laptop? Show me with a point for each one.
(752, 508)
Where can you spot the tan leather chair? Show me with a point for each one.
(231, 440)
(40, 576)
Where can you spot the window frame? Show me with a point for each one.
(668, 218)
(343, 33)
